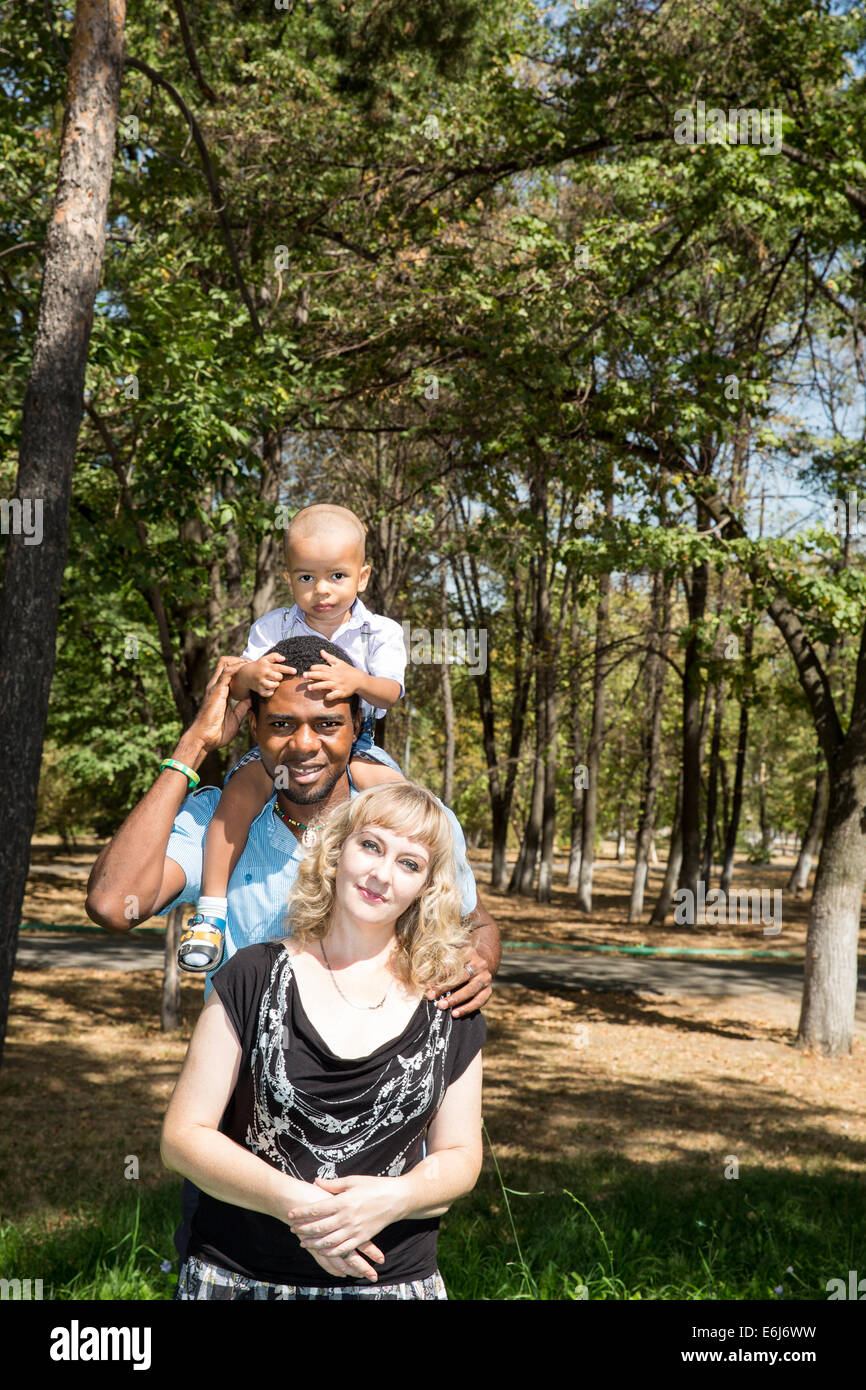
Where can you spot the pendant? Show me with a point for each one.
(310, 838)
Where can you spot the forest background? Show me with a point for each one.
(592, 379)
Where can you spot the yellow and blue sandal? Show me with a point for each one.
(201, 944)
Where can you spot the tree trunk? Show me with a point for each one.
(270, 547)
(830, 975)
(407, 745)
(675, 858)
(474, 613)
(523, 874)
(548, 823)
(713, 786)
(51, 419)
(593, 764)
(766, 828)
(691, 817)
(546, 647)
(577, 781)
(656, 671)
(733, 826)
(447, 701)
(800, 873)
(171, 969)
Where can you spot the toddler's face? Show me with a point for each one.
(326, 575)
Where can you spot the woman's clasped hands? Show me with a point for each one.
(338, 1230)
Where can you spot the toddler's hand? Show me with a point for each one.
(266, 674)
(335, 678)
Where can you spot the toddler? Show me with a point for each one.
(326, 570)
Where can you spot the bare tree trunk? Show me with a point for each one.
(447, 701)
(270, 547)
(713, 785)
(800, 873)
(656, 671)
(593, 761)
(547, 644)
(733, 825)
(407, 746)
(523, 874)
(830, 975)
(577, 779)
(691, 818)
(766, 828)
(171, 969)
(474, 613)
(548, 830)
(675, 858)
(51, 418)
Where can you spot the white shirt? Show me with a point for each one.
(374, 643)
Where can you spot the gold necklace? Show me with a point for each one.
(342, 995)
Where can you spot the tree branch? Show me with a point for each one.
(217, 198)
(151, 592)
(206, 91)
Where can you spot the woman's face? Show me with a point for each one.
(380, 874)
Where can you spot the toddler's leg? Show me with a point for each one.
(367, 774)
(242, 798)
(244, 795)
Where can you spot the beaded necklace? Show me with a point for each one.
(309, 837)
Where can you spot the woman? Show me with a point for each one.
(318, 1068)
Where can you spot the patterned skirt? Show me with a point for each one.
(201, 1280)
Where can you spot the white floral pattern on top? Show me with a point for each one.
(406, 1093)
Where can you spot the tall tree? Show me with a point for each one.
(51, 418)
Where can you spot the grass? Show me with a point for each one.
(606, 1229)
(640, 1233)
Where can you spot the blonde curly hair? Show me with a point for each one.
(431, 934)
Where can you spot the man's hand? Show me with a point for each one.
(358, 1209)
(469, 994)
(216, 724)
(335, 679)
(481, 964)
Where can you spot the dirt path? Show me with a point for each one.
(536, 970)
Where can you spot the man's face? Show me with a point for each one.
(305, 740)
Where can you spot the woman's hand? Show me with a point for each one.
(358, 1209)
(352, 1265)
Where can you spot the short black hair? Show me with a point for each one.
(302, 653)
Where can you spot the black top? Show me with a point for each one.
(312, 1114)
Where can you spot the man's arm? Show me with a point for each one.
(482, 960)
(132, 878)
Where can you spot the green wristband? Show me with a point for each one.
(194, 778)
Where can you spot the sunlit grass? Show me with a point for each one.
(604, 1230)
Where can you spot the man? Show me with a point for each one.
(305, 740)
